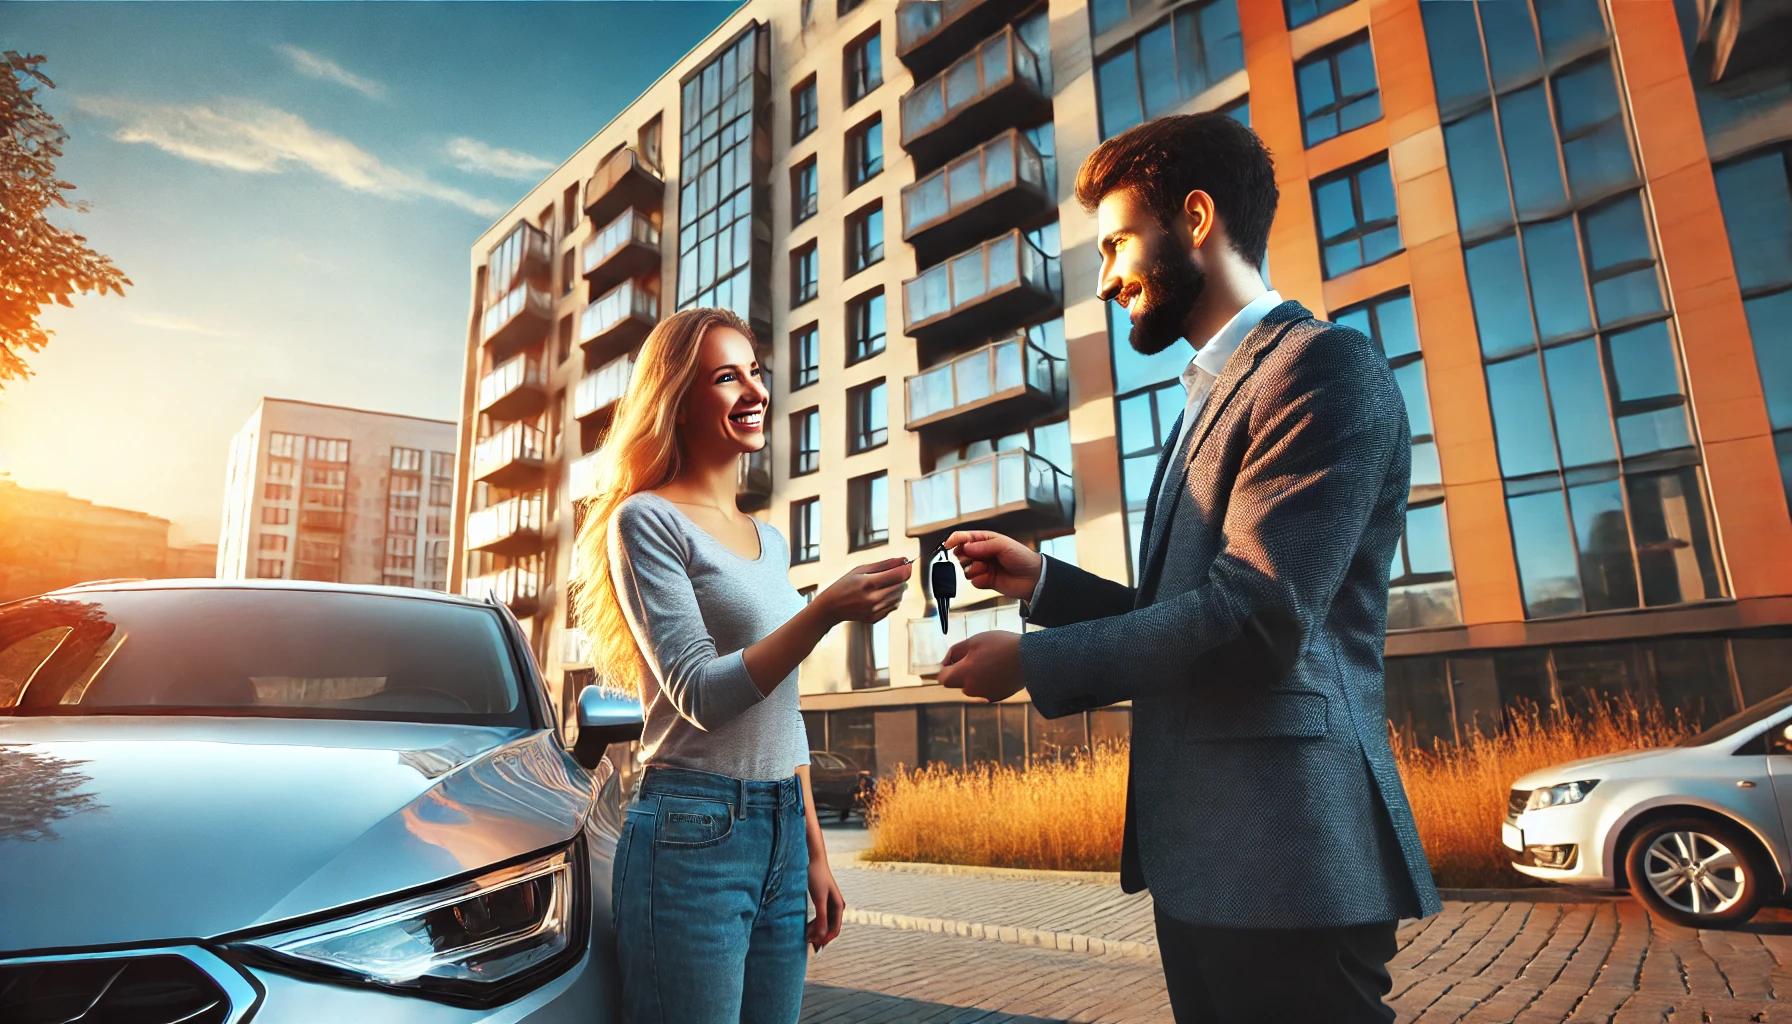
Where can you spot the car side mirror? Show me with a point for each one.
(604, 718)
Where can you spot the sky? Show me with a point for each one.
(293, 190)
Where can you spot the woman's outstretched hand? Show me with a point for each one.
(867, 593)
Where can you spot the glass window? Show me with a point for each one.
(805, 271)
(1200, 40)
(865, 321)
(865, 238)
(1302, 11)
(1620, 261)
(803, 191)
(982, 735)
(1337, 89)
(1357, 223)
(805, 450)
(1547, 572)
(1756, 194)
(864, 67)
(1673, 539)
(868, 509)
(1418, 700)
(805, 530)
(1521, 425)
(805, 347)
(942, 735)
(864, 152)
(1117, 83)
(1531, 152)
(1494, 277)
(868, 411)
(1451, 37)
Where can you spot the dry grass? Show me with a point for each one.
(1068, 815)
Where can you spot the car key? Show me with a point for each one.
(944, 583)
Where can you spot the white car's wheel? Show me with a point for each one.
(1698, 872)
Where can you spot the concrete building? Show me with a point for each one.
(1583, 298)
(50, 540)
(322, 492)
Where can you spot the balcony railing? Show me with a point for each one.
(754, 490)
(515, 388)
(575, 647)
(1017, 487)
(518, 587)
(582, 477)
(525, 253)
(621, 317)
(522, 316)
(927, 646)
(622, 180)
(929, 33)
(980, 291)
(510, 527)
(1000, 84)
(628, 246)
(510, 457)
(1000, 183)
(1006, 382)
(602, 388)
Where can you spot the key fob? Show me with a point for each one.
(944, 584)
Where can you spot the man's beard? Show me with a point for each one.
(1172, 286)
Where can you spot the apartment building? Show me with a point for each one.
(323, 492)
(50, 539)
(1567, 224)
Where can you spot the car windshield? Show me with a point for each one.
(271, 653)
(1741, 720)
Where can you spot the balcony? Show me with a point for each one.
(518, 587)
(927, 646)
(511, 458)
(520, 318)
(929, 33)
(618, 320)
(600, 390)
(575, 648)
(1004, 383)
(628, 246)
(1000, 84)
(754, 490)
(516, 388)
(582, 477)
(510, 527)
(329, 519)
(999, 184)
(622, 180)
(980, 291)
(1013, 491)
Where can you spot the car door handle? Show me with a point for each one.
(1744, 784)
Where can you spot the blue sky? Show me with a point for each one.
(293, 189)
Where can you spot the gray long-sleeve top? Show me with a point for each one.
(694, 606)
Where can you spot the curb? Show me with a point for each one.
(1068, 942)
(1024, 874)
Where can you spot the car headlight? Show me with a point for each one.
(476, 941)
(1556, 796)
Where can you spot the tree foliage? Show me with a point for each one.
(39, 262)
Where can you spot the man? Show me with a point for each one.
(1264, 811)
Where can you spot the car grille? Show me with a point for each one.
(148, 989)
(1515, 803)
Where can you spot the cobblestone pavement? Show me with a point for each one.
(1558, 957)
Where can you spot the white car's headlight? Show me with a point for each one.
(1556, 796)
(476, 941)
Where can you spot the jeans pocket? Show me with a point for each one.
(619, 870)
(685, 821)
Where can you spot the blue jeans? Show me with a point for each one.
(710, 894)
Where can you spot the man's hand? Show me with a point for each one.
(986, 665)
(995, 562)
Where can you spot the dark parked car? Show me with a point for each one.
(840, 784)
(297, 802)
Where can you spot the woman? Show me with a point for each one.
(688, 603)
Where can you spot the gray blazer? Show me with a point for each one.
(1263, 791)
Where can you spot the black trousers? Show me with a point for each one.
(1284, 976)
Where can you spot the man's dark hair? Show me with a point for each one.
(1166, 159)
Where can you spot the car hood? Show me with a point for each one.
(135, 829)
(1592, 767)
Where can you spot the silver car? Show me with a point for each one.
(1698, 832)
(297, 802)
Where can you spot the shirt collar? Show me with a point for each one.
(1212, 356)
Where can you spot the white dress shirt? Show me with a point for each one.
(1199, 375)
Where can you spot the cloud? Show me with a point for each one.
(483, 158)
(324, 69)
(179, 324)
(253, 138)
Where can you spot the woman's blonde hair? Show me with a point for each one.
(640, 452)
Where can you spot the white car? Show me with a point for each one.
(1696, 831)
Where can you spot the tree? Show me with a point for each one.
(39, 262)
